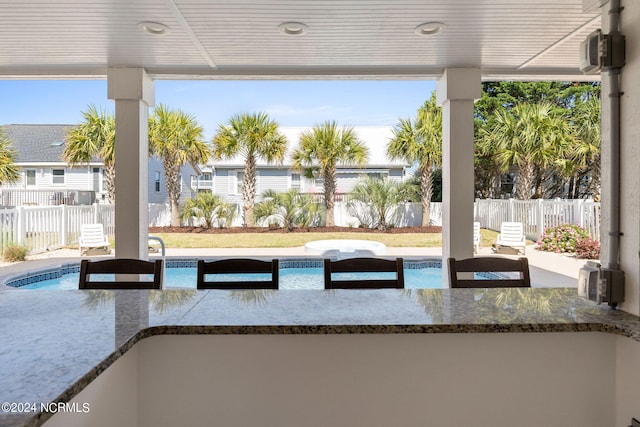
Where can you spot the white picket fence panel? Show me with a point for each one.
(538, 215)
(41, 228)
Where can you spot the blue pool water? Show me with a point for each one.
(302, 276)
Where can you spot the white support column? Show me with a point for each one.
(457, 90)
(133, 92)
(629, 197)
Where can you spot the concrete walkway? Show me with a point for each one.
(547, 269)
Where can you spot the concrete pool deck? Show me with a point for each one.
(547, 269)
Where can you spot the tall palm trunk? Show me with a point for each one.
(538, 183)
(172, 178)
(572, 187)
(525, 179)
(595, 177)
(426, 191)
(110, 173)
(249, 189)
(330, 195)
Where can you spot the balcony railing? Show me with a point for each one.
(201, 184)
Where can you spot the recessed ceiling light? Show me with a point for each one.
(154, 28)
(293, 28)
(430, 28)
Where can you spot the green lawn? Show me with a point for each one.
(284, 240)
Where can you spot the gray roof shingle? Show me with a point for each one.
(37, 143)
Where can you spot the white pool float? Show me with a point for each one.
(345, 248)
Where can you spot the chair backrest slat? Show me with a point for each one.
(489, 265)
(120, 266)
(237, 266)
(511, 231)
(364, 265)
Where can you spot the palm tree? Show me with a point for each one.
(289, 209)
(586, 153)
(176, 137)
(419, 141)
(321, 149)
(211, 208)
(94, 138)
(8, 170)
(530, 136)
(254, 136)
(375, 201)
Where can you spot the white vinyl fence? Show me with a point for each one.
(538, 215)
(41, 228)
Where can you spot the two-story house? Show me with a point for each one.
(225, 176)
(45, 178)
(39, 149)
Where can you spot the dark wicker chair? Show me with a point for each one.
(489, 265)
(237, 266)
(364, 265)
(120, 266)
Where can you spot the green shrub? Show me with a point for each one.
(588, 249)
(562, 238)
(15, 253)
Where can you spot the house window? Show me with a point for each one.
(98, 179)
(103, 178)
(57, 176)
(30, 177)
(295, 181)
(377, 175)
(235, 182)
(157, 181)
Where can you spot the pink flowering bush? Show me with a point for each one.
(562, 238)
(588, 249)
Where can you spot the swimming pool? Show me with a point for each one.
(181, 274)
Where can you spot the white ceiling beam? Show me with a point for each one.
(190, 33)
(558, 43)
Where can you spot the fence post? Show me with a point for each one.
(63, 226)
(22, 226)
(511, 208)
(579, 207)
(475, 210)
(540, 213)
(95, 213)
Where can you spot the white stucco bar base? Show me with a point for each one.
(523, 379)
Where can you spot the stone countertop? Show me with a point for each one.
(54, 343)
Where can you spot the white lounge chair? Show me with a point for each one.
(512, 236)
(476, 237)
(91, 237)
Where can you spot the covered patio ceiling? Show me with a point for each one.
(227, 39)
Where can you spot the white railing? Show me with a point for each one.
(201, 184)
(538, 215)
(41, 228)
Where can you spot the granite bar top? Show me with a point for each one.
(54, 343)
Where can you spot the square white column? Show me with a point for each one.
(457, 90)
(133, 92)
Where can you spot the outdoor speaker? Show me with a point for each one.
(602, 51)
(590, 59)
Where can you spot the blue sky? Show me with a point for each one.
(290, 103)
